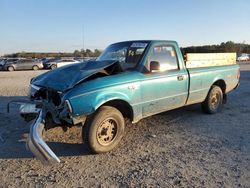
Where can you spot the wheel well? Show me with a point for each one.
(123, 106)
(11, 67)
(221, 84)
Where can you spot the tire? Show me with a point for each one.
(10, 68)
(213, 101)
(53, 66)
(35, 68)
(103, 131)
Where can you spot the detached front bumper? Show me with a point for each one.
(36, 143)
(37, 111)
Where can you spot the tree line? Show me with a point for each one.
(223, 47)
(76, 53)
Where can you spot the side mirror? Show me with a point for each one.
(154, 66)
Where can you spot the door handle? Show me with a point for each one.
(180, 78)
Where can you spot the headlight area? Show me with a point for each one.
(68, 106)
(65, 113)
(57, 109)
(44, 98)
(33, 90)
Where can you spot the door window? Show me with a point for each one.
(166, 56)
(29, 61)
(21, 61)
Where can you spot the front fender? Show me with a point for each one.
(102, 99)
(89, 103)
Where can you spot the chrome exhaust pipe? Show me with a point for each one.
(37, 145)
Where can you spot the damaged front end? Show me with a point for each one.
(46, 110)
(47, 106)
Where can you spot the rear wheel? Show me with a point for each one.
(104, 130)
(10, 68)
(213, 101)
(35, 67)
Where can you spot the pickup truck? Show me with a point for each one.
(132, 80)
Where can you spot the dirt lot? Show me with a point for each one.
(182, 148)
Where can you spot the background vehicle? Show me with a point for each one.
(243, 57)
(85, 58)
(52, 64)
(2, 62)
(45, 59)
(7, 60)
(2, 59)
(46, 63)
(23, 64)
(133, 80)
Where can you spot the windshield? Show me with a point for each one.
(127, 53)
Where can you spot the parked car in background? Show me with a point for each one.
(47, 62)
(2, 59)
(6, 60)
(45, 59)
(2, 62)
(80, 59)
(83, 59)
(23, 64)
(243, 57)
(52, 64)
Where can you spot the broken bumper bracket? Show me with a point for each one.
(37, 145)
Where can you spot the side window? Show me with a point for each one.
(29, 61)
(166, 56)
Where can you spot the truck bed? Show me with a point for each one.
(196, 60)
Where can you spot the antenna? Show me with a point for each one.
(82, 40)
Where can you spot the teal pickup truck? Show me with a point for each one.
(133, 80)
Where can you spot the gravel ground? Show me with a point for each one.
(180, 148)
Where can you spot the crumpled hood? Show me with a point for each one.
(68, 76)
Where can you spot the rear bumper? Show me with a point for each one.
(37, 145)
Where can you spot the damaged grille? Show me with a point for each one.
(45, 94)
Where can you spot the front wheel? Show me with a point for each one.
(104, 130)
(213, 101)
(35, 68)
(10, 68)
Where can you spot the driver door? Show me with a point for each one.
(20, 64)
(166, 88)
